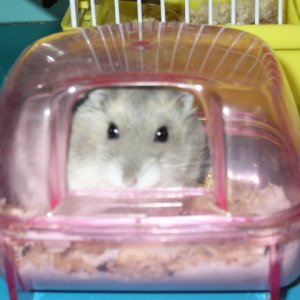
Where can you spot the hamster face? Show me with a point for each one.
(136, 138)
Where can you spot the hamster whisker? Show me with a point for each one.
(181, 166)
(149, 162)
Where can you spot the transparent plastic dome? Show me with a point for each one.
(241, 219)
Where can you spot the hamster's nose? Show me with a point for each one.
(129, 177)
(130, 181)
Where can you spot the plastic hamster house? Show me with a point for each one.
(244, 223)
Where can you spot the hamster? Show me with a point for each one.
(136, 138)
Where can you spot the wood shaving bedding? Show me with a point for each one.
(156, 261)
(151, 262)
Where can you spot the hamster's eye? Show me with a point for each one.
(161, 134)
(113, 131)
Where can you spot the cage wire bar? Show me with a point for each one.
(163, 11)
(233, 12)
(210, 11)
(117, 12)
(93, 12)
(256, 12)
(76, 12)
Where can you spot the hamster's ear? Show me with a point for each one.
(185, 102)
(97, 99)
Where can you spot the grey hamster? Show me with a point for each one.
(136, 138)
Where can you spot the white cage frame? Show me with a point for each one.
(75, 12)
